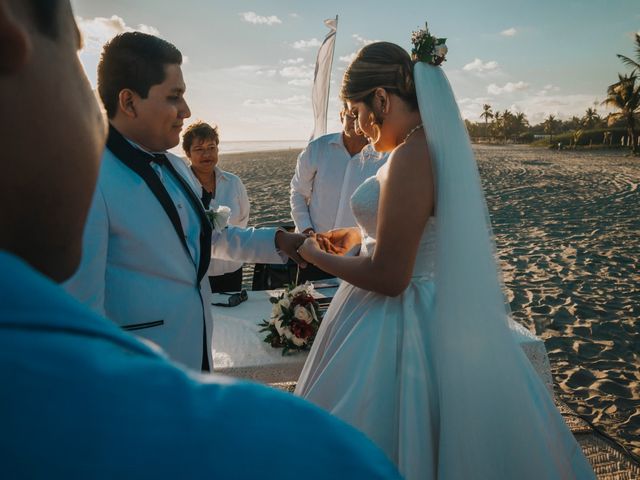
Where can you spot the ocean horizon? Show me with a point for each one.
(248, 146)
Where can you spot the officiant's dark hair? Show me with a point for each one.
(201, 130)
(380, 65)
(133, 60)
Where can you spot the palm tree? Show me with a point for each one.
(496, 125)
(591, 118)
(507, 124)
(635, 64)
(624, 95)
(487, 113)
(550, 124)
(520, 123)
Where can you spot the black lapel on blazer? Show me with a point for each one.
(205, 230)
(138, 161)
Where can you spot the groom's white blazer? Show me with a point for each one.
(137, 271)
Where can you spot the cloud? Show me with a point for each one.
(96, 32)
(292, 61)
(298, 75)
(294, 100)
(361, 40)
(297, 71)
(509, 32)
(548, 89)
(304, 44)
(509, 87)
(348, 58)
(266, 73)
(538, 107)
(472, 107)
(254, 18)
(294, 15)
(301, 82)
(478, 66)
(535, 106)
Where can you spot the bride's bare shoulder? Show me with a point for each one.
(411, 158)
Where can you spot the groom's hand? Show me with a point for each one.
(288, 243)
(340, 240)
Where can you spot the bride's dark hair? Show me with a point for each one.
(380, 65)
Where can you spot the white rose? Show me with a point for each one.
(298, 342)
(221, 218)
(303, 314)
(282, 330)
(285, 303)
(287, 333)
(440, 50)
(304, 288)
(278, 324)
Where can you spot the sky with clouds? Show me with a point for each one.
(249, 63)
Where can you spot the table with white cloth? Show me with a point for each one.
(239, 349)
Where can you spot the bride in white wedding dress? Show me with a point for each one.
(415, 350)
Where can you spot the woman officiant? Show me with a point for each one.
(200, 143)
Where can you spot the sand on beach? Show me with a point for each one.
(567, 228)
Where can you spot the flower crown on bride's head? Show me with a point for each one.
(427, 48)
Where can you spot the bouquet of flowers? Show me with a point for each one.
(294, 321)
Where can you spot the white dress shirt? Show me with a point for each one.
(325, 178)
(230, 192)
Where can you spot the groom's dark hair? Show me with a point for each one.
(136, 61)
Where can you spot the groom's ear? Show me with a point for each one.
(126, 102)
(15, 43)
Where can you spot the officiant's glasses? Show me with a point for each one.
(234, 299)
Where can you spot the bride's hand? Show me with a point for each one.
(309, 248)
(340, 240)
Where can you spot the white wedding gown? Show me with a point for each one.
(372, 366)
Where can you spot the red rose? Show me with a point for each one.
(301, 329)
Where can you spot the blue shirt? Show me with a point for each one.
(80, 398)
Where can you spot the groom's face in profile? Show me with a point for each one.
(45, 194)
(161, 114)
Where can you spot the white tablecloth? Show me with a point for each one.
(239, 349)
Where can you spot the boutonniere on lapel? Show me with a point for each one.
(219, 218)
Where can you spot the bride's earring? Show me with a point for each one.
(375, 125)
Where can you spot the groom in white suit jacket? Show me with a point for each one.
(147, 243)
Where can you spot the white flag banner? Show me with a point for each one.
(322, 79)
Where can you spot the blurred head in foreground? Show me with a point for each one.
(47, 185)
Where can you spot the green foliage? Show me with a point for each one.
(588, 137)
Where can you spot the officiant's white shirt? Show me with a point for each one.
(326, 176)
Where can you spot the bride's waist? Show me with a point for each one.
(424, 265)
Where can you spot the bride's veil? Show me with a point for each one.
(496, 418)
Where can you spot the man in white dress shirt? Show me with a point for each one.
(327, 173)
(80, 398)
(148, 243)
